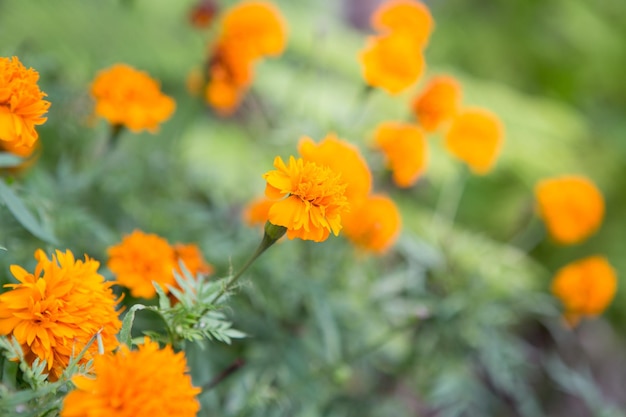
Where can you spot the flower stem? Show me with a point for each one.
(271, 235)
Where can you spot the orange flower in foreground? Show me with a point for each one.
(21, 104)
(374, 225)
(438, 103)
(55, 311)
(475, 137)
(310, 198)
(256, 26)
(585, 287)
(405, 149)
(343, 158)
(571, 207)
(139, 260)
(193, 259)
(145, 382)
(408, 16)
(128, 97)
(392, 62)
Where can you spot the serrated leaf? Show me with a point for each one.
(23, 215)
(127, 324)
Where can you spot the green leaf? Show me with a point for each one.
(127, 324)
(23, 215)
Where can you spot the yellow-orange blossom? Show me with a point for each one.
(310, 199)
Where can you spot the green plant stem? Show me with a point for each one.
(271, 236)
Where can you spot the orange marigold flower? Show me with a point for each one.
(585, 287)
(21, 104)
(408, 16)
(374, 225)
(145, 382)
(343, 158)
(258, 26)
(140, 259)
(405, 149)
(438, 103)
(311, 199)
(55, 311)
(571, 207)
(257, 212)
(193, 259)
(128, 97)
(392, 61)
(475, 137)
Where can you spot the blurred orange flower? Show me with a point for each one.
(55, 311)
(310, 198)
(193, 259)
(343, 158)
(585, 287)
(405, 149)
(374, 225)
(438, 103)
(475, 137)
(131, 98)
(257, 211)
(250, 31)
(407, 16)
(21, 104)
(258, 26)
(571, 207)
(145, 382)
(392, 61)
(140, 259)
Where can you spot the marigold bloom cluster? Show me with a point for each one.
(145, 382)
(405, 149)
(250, 31)
(393, 60)
(571, 207)
(374, 221)
(585, 287)
(143, 258)
(22, 107)
(55, 311)
(127, 97)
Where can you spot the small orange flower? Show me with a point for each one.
(586, 287)
(193, 259)
(145, 382)
(438, 103)
(21, 104)
(571, 207)
(54, 312)
(374, 225)
(475, 137)
(258, 26)
(407, 16)
(311, 199)
(343, 158)
(257, 212)
(250, 31)
(139, 260)
(405, 149)
(128, 97)
(392, 61)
